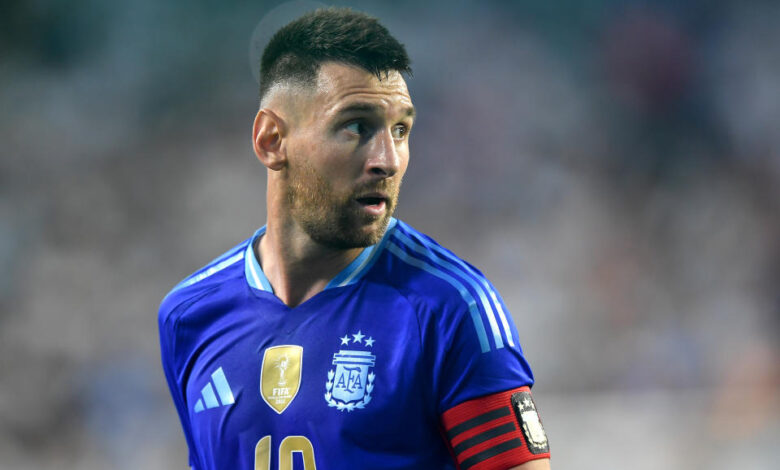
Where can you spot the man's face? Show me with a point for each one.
(348, 149)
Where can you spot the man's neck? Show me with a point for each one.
(297, 267)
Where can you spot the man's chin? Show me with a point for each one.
(365, 235)
(348, 230)
(360, 234)
(376, 229)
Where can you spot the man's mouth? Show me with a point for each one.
(373, 203)
(370, 201)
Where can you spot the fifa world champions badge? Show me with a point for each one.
(351, 380)
(280, 376)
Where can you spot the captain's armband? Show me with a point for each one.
(496, 431)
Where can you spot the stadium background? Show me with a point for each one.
(613, 167)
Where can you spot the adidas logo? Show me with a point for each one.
(210, 398)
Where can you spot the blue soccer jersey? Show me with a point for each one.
(408, 359)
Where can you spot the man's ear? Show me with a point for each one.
(267, 133)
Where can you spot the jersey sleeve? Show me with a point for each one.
(174, 377)
(483, 384)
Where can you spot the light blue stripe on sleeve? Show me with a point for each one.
(476, 318)
(216, 261)
(479, 277)
(208, 272)
(464, 274)
(502, 316)
(223, 389)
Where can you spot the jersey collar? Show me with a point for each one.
(256, 278)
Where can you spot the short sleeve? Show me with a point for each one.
(479, 350)
(484, 380)
(173, 377)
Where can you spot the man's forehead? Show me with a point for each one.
(339, 83)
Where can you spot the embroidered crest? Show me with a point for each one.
(525, 411)
(280, 376)
(351, 382)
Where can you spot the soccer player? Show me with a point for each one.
(338, 337)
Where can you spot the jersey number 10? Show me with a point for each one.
(289, 445)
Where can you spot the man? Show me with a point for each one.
(337, 336)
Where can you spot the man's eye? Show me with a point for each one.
(400, 131)
(355, 128)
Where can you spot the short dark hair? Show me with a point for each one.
(297, 50)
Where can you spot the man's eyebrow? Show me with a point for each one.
(372, 108)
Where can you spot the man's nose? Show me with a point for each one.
(383, 159)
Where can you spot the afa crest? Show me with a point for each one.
(351, 382)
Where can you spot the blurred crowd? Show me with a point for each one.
(612, 166)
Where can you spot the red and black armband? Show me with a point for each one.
(496, 431)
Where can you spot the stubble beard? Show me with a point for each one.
(334, 220)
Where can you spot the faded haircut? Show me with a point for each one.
(296, 51)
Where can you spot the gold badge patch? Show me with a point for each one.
(280, 375)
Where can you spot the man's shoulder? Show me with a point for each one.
(227, 266)
(424, 268)
(450, 290)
